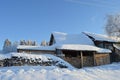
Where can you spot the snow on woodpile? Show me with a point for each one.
(4, 56)
(84, 48)
(64, 38)
(30, 56)
(43, 58)
(39, 59)
(100, 37)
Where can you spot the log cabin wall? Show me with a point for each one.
(102, 59)
(117, 55)
(87, 59)
(108, 45)
(72, 57)
(75, 61)
(105, 44)
(78, 59)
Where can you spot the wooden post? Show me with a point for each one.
(81, 56)
(94, 63)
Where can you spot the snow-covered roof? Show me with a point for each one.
(69, 41)
(83, 48)
(64, 38)
(25, 47)
(117, 46)
(100, 37)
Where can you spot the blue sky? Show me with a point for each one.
(36, 19)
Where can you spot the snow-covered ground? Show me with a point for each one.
(106, 72)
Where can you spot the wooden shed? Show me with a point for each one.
(81, 50)
(84, 55)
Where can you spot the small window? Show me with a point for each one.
(87, 53)
(69, 53)
(100, 45)
(109, 46)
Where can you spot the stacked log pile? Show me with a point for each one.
(19, 61)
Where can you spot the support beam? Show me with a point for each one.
(94, 62)
(81, 57)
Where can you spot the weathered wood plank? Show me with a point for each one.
(81, 57)
(94, 62)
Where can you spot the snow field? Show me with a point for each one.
(107, 72)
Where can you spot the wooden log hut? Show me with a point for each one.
(84, 55)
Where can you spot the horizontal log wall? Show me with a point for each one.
(75, 61)
(100, 59)
(88, 61)
(117, 55)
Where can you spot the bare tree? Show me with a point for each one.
(112, 26)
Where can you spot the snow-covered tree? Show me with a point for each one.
(34, 43)
(7, 42)
(22, 42)
(44, 43)
(29, 42)
(14, 46)
(7, 46)
(112, 26)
